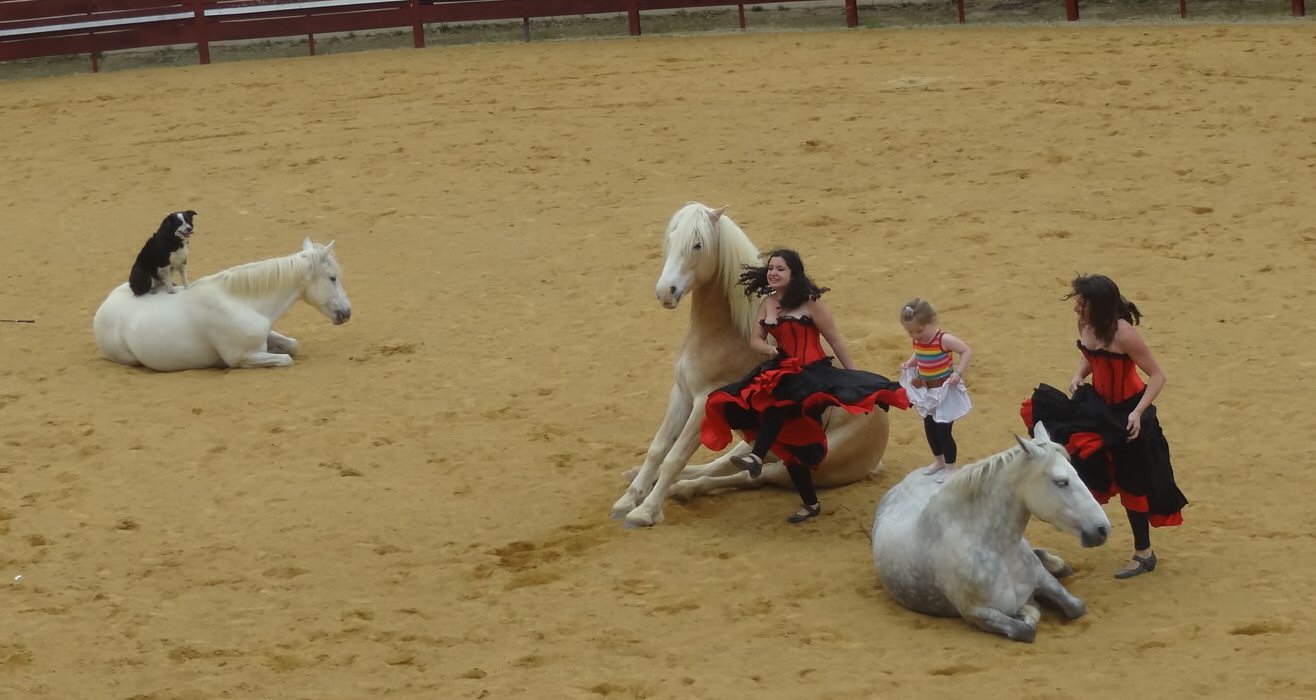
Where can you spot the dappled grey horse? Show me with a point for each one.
(958, 548)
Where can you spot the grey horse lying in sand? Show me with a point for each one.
(958, 548)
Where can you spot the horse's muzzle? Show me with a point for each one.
(341, 317)
(669, 298)
(1094, 537)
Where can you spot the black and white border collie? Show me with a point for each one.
(164, 252)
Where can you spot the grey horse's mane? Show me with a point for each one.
(974, 478)
(261, 277)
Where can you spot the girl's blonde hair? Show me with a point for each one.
(918, 311)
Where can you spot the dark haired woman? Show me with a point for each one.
(1110, 425)
(779, 404)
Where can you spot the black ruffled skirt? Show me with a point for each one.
(802, 392)
(1094, 432)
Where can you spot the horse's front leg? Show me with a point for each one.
(679, 405)
(253, 360)
(1052, 591)
(1022, 628)
(242, 345)
(722, 474)
(279, 343)
(650, 511)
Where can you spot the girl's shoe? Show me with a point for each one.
(750, 463)
(1142, 565)
(805, 513)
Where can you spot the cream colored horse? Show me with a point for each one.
(705, 251)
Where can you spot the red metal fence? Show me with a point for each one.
(36, 28)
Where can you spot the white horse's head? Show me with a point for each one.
(691, 252)
(325, 289)
(702, 245)
(1053, 491)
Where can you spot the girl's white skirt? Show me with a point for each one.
(945, 403)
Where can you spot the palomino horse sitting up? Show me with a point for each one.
(705, 254)
(225, 319)
(958, 548)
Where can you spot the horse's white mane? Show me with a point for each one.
(260, 277)
(972, 478)
(695, 222)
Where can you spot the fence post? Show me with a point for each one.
(95, 60)
(1071, 10)
(1299, 8)
(633, 15)
(417, 26)
(1183, 9)
(202, 34)
(852, 13)
(741, 8)
(959, 10)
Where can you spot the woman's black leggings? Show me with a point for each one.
(769, 427)
(940, 439)
(1141, 529)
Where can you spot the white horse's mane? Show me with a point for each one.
(263, 276)
(972, 479)
(693, 223)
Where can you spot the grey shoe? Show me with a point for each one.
(1146, 565)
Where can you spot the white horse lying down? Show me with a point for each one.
(705, 252)
(958, 548)
(225, 319)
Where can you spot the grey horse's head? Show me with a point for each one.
(1053, 491)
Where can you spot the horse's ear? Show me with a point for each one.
(307, 244)
(715, 214)
(1039, 431)
(328, 246)
(1032, 449)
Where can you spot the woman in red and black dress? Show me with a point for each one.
(779, 404)
(1110, 426)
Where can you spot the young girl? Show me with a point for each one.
(779, 405)
(934, 382)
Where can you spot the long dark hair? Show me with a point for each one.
(800, 289)
(1104, 304)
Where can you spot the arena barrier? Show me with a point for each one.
(40, 28)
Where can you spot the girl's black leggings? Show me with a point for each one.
(940, 439)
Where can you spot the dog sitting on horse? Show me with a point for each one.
(163, 253)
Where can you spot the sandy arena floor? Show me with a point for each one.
(419, 507)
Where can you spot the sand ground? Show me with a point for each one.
(418, 508)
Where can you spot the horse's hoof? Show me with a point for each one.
(633, 522)
(1025, 635)
(639, 518)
